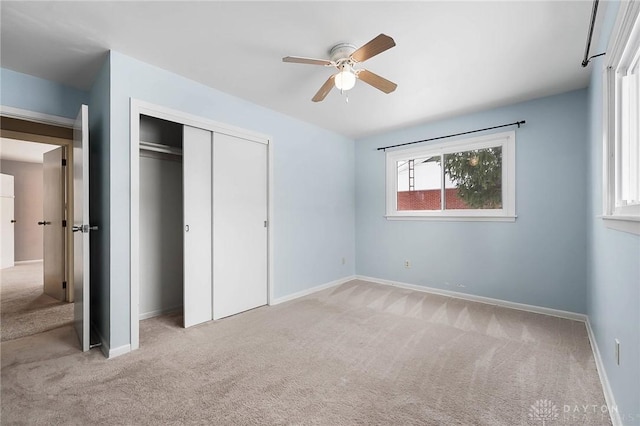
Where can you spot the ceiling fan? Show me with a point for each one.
(344, 57)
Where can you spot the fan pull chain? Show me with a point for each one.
(346, 95)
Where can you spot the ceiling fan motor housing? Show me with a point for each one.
(341, 52)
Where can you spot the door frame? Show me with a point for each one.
(54, 120)
(139, 107)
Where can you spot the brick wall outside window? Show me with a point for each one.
(429, 200)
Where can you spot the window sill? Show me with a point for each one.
(630, 224)
(453, 218)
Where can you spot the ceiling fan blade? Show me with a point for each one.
(377, 45)
(310, 61)
(324, 90)
(376, 81)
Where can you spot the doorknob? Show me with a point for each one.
(13, 221)
(84, 228)
(44, 223)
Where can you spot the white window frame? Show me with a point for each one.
(507, 213)
(624, 46)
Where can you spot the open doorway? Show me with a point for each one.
(36, 291)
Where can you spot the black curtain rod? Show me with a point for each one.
(516, 123)
(587, 59)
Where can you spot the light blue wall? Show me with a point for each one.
(99, 159)
(539, 260)
(613, 291)
(23, 91)
(313, 196)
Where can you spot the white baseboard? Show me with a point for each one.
(120, 350)
(481, 299)
(311, 290)
(26, 262)
(606, 386)
(111, 353)
(157, 312)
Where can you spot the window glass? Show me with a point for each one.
(476, 178)
(628, 153)
(419, 183)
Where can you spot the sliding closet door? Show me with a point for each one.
(196, 155)
(239, 225)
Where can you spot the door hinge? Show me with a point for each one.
(64, 161)
(64, 223)
(64, 284)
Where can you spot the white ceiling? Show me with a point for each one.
(451, 57)
(28, 152)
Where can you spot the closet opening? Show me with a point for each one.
(199, 193)
(161, 219)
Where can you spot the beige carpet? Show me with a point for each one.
(359, 353)
(24, 309)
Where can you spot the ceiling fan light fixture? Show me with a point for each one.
(344, 56)
(345, 79)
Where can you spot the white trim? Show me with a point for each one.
(34, 116)
(311, 290)
(187, 119)
(481, 299)
(467, 218)
(270, 221)
(621, 36)
(158, 312)
(623, 223)
(606, 386)
(120, 350)
(134, 224)
(138, 107)
(625, 20)
(112, 353)
(608, 136)
(25, 262)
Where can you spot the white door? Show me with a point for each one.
(81, 226)
(196, 181)
(52, 230)
(7, 221)
(239, 225)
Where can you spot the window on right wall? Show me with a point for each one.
(621, 171)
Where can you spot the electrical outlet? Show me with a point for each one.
(617, 351)
(407, 264)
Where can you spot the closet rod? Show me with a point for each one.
(515, 123)
(156, 147)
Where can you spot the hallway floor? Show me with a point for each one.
(24, 308)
